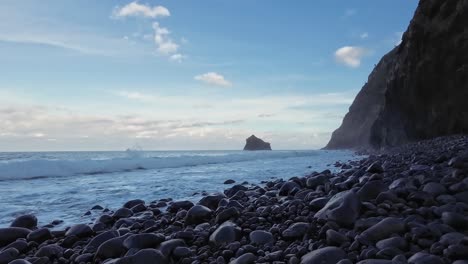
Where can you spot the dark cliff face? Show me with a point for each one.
(254, 143)
(420, 89)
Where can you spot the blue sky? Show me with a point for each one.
(107, 75)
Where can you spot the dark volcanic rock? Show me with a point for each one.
(8, 235)
(25, 221)
(225, 233)
(144, 256)
(254, 143)
(80, 230)
(198, 214)
(418, 90)
(343, 208)
(326, 255)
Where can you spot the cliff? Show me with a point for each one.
(254, 143)
(419, 90)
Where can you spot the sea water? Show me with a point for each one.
(66, 185)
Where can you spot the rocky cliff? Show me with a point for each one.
(254, 143)
(419, 90)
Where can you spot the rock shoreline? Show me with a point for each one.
(406, 205)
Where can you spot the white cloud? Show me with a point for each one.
(177, 57)
(350, 55)
(197, 122)
(136, 9)
(364, 35)
(213, 78)
(164, 44)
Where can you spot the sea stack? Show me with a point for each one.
(419, 89)
(255, 143)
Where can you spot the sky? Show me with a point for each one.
(186, 75)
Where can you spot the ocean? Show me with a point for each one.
(66, 185)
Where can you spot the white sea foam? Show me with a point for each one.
(38, 168)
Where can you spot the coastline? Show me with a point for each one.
(406, 204)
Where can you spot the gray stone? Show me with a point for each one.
(384, 229)
(343, 208)
(25, 221)
(198, 214)
(226, 233)
(144, 256)
(424, 258)
(10, 234)
(8, 255)
(296, 230)
(80, 230)
(246, 258)
(98, 240)
(261, 237)
(141, 241)
(326, 255)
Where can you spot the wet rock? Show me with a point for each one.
(141, 241)
(246, 258)
(296, 230)
(393, 242)
(455, 220)
(144, 256)
(84, 258)
(326, 255)
(50, 251)
(375, 261)
(10, 234)
(98, 240)
(225, 234)
(39, 235)
(434, 188)
(424, 258)
(288, 187)
(261, 237)
(133, 203)
(176, 206)
(167, 247)
(25, 221)
(8, 255)
(112, 248)
(375, 167)
(384, 229)
(198, 214)
(315, 181)
(371, 190)
(226, 214)
(335, 238)
(122, 213)
(21, 245)
(343, 208)
(20, 261)
(80, 230)
(212, 201)
(229, 181)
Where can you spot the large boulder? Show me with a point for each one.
(25, 221)
(198, 214)
(343, 208)
(418, 90)
(226, 233)
(254, 143)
